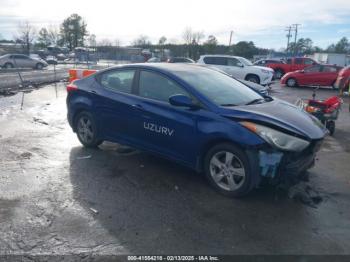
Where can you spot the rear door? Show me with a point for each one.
(311, 76)
(114, 101)
(235, 67)
(164, 128)
(22, 61)
(217, 62)
(329, 75)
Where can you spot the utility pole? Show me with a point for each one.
(295, 26)
(289, 35)
(231, 34)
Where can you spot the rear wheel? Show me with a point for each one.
(8, 66)
(228, 171)
(330, 125)
(86, 130)
(278, 73)
(291, 82)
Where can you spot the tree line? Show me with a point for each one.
(73, 33)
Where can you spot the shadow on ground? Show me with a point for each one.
(149, 203)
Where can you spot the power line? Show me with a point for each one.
(289, 35)
(295, 26)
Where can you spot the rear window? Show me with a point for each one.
(212, 60)
(118, 80)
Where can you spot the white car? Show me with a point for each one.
(239, 67)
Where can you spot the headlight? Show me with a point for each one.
(276, 138)
(265, 71)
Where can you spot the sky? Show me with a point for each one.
(260, 21)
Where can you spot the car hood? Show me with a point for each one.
(280, 114)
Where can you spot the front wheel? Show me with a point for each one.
(291, 82)
(39, 66)
(87, 130)
(253, 78)
(228, 171)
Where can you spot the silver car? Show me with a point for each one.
(21, 61)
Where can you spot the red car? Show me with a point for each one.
(316, 75)
(343, 80)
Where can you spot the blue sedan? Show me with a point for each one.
(198, 117)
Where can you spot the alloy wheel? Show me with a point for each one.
(85, 130)
(227, 170)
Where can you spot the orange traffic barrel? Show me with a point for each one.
(79, 73)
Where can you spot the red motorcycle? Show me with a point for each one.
(326, 111)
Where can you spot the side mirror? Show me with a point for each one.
(302, 71)
(240, 65)
(182, 100)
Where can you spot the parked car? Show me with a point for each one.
(317, 75)
(21, 61)
(343, 79)
(51, 60)
(292, 64)
(154, 60)
(238, 67)
(180, 60)
(262, 90)
(265, 62)
(198, 117)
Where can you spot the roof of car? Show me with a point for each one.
(221, 56)
(169, 67)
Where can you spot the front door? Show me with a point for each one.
(164, 128)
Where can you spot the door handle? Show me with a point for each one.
(137, 107)
(93, 92)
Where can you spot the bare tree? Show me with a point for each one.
(117, 42)
(54, 34)
(104, 42)
(26, 35)
(197, 37)
(141, 41)
(92, 40)
(187, 35)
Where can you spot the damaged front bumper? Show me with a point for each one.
(278, 165)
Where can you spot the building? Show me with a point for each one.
(332, 58)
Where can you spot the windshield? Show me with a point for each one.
(220, 88)
(245, 62)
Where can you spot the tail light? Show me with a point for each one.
(71, 87)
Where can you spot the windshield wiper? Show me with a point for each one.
(228, 105)
(255, 101)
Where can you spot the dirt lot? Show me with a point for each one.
(57, 197)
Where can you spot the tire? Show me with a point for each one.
(86, 129)
(334, 87)
(330, 125)
(39, 66)
(291, 82)
(278, 73)
(230, 178)
(8, 65)
(253, 78)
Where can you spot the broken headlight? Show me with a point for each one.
(276, 138)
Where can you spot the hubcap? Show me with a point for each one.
(291, 82)
(85, 131)
(227, 170)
